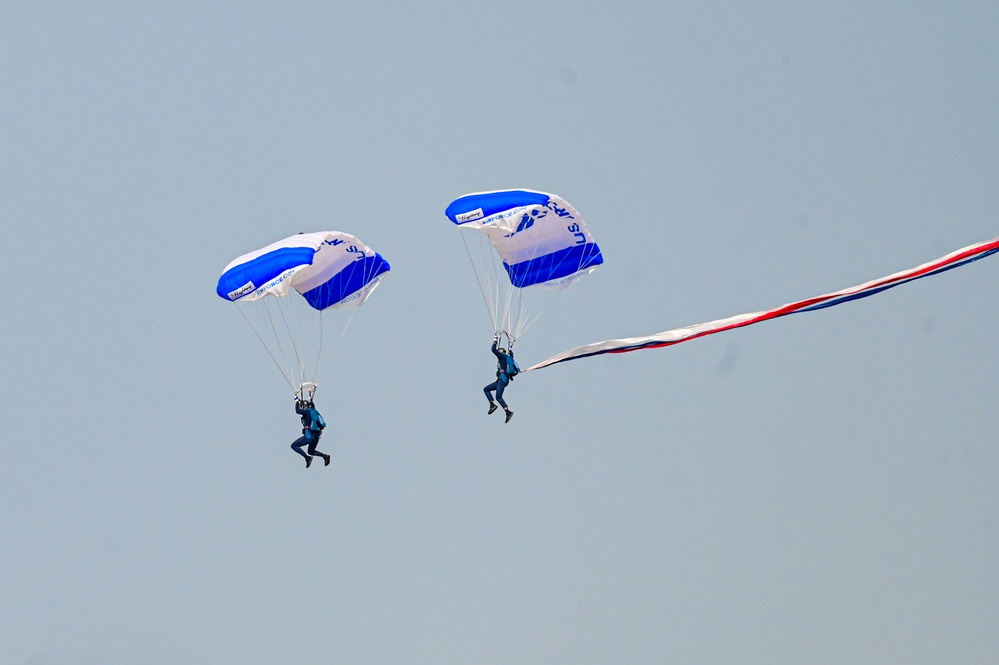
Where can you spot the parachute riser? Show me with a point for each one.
(306, 392)
(510, 339)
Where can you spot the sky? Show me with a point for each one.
(819, 488)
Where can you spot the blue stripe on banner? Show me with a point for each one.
(347, 282)
(558, 264)
(885, 287)
(264, 268)
(677, 335)
(494, 202)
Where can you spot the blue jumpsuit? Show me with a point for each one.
(503, 362)
(312, 429)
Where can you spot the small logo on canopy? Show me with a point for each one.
(242, 291)
(469, 216)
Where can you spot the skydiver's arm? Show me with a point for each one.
(495, 351)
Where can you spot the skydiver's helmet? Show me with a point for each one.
(502, 350)
(309, 404)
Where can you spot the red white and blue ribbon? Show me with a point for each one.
(678, 335)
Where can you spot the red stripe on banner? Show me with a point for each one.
(964, 255)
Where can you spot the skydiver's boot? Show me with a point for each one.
(492, 407)
(326, 460)
(308, 462)
(509, 414)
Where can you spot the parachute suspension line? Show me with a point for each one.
(353, 313)
(522, 319)
(290, 329)
(527, 326)
(267, 321)
(275, 303)
(494, 281)
(484, 289)
(558, 294)
(318, 322)
(266, 347)
(298, 322)
(317, 344)
(509, 301)
(515, 310)
(321, 372)
(509, 307)
(319, 352)
(283, 321)
(307, 337)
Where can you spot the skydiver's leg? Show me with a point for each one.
(488, 390)
(499, 396)
(500, 387)
(313, 451)
(312, 447)
(298, 445)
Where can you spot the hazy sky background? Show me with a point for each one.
(817, 489)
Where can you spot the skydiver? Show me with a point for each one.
(506, 369)
(312, 428)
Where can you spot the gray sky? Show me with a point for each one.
(819, 489)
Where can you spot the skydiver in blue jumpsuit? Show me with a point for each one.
(506, 369)
(312, 428)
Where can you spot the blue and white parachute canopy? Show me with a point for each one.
(541, 239)
(953, 260)
(329, 269)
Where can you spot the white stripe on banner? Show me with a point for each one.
(678, 335)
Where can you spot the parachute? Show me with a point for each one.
(670, 337)
(291, 293)
(540, 241)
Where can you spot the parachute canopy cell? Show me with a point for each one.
(330, 269)
(540, 238)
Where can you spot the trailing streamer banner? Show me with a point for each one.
(678, 335)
